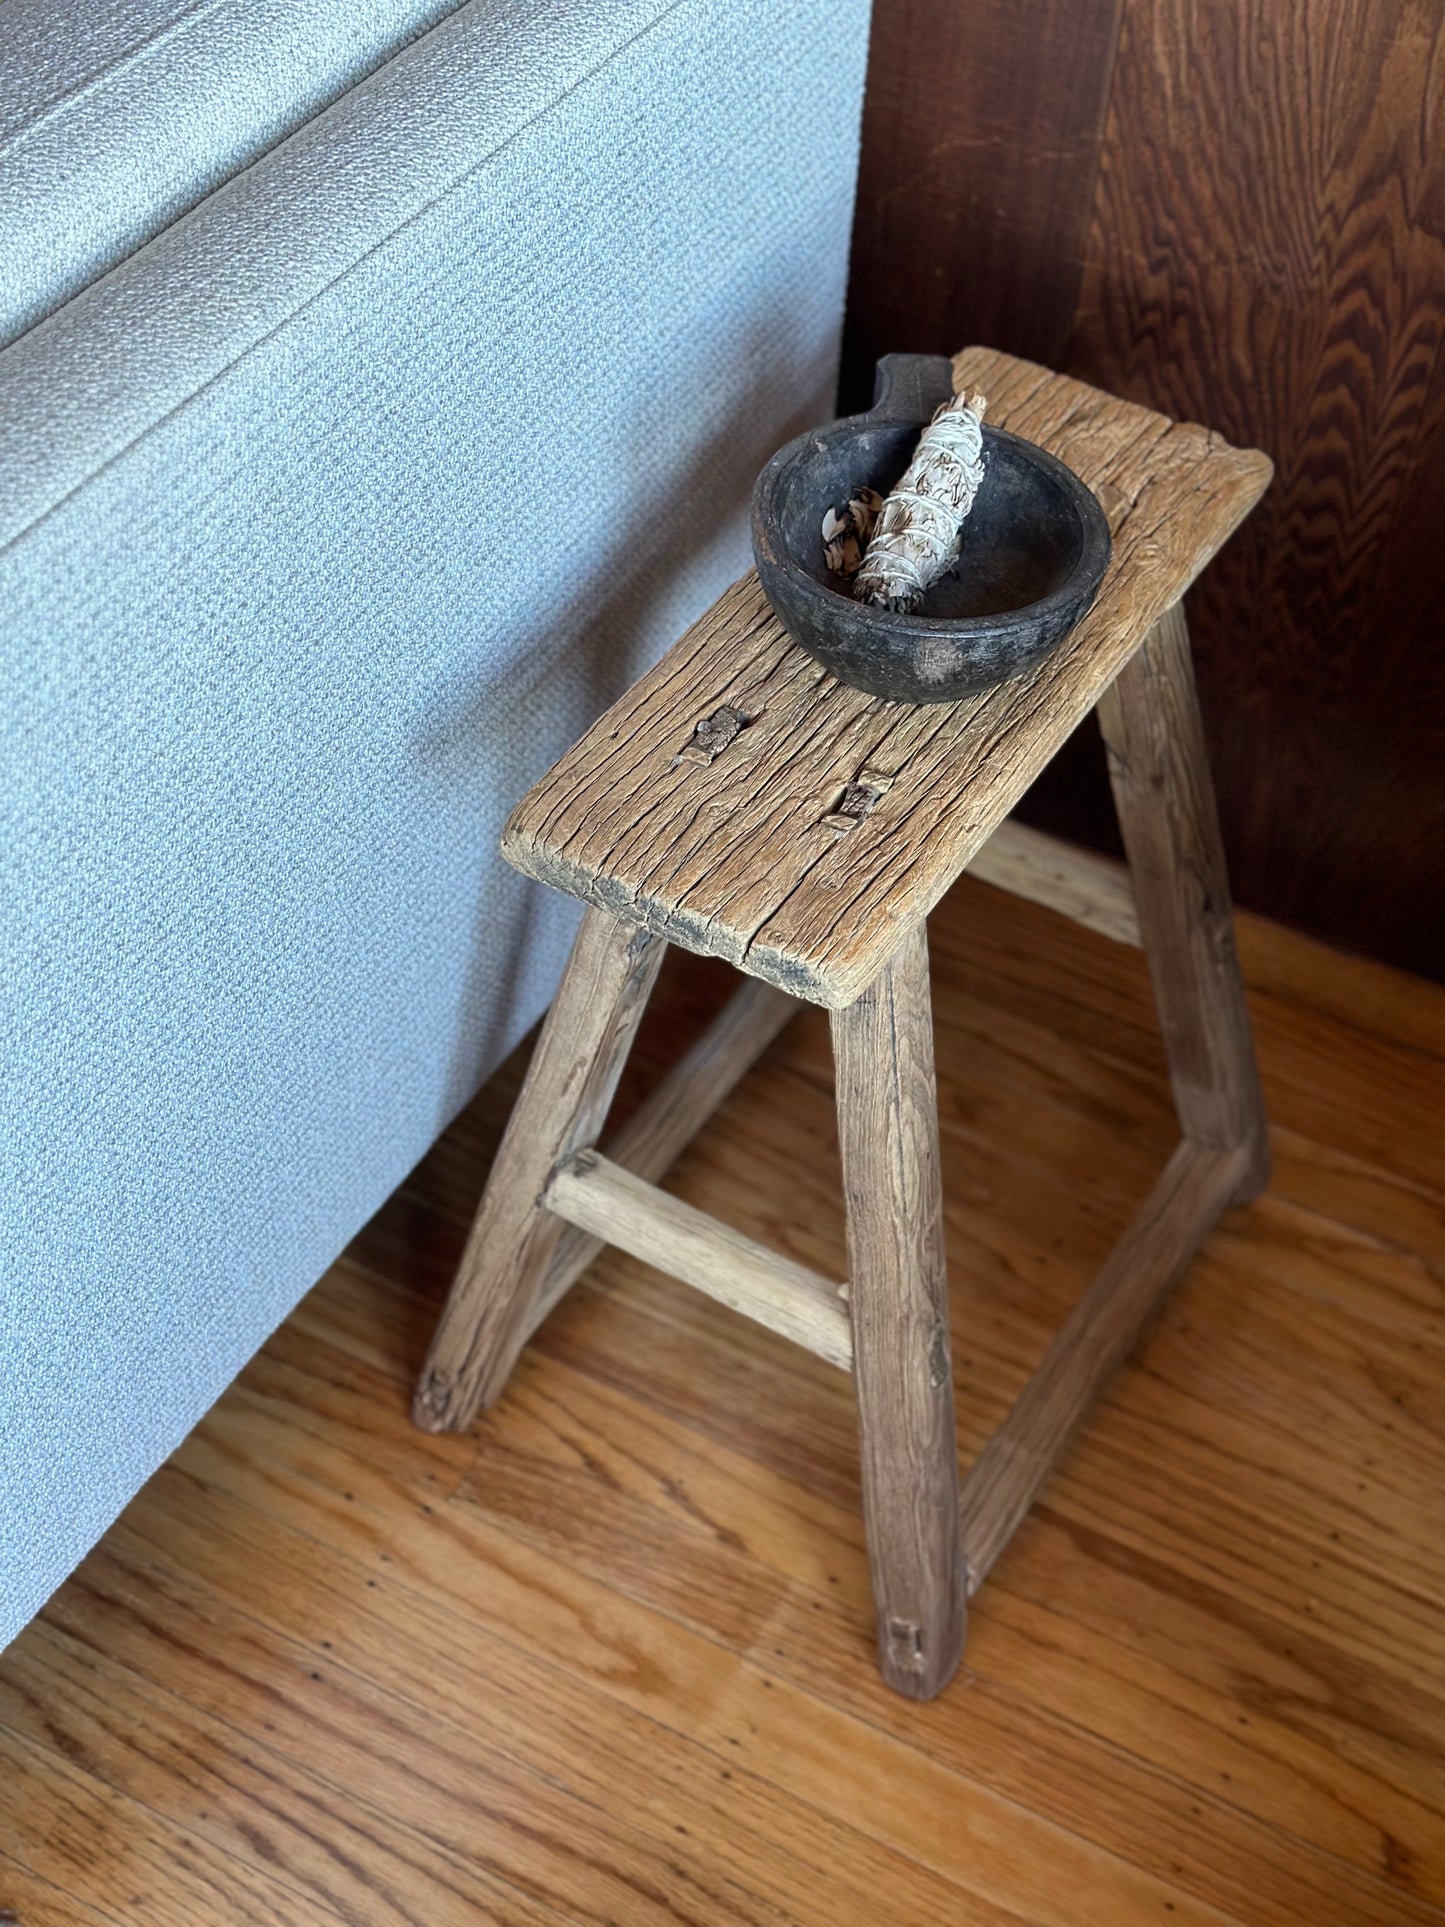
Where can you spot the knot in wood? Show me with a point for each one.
(858, 799)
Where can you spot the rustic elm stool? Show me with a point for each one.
(743, 803)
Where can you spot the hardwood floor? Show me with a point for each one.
(609, 1658)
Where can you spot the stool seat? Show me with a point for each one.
(801, 834)
(742, 802)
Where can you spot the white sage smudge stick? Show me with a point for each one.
(920, 528)
(846, 532)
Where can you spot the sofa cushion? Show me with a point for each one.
(116, 118)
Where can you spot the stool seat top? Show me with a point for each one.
(740, 801)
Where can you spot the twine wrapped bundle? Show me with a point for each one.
(920, 526)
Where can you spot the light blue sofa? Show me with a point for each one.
(381, 385)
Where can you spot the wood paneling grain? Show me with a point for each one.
(981, 130)
(1264, 251)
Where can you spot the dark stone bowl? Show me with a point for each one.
(1034, 551)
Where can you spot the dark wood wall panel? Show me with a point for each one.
(981, 134)
(1233, 210)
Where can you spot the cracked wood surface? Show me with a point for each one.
(744, 853)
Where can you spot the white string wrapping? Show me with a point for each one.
(920, 528)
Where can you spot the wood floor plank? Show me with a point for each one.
(770, 1604)
(668, 1351)
(1370, 1468)
(1385, 1005)
(754, 1852)
(245, 1798)
(759, 1722)
(607, 1658)
(665, 1349)
(1296, 1758)
(1369, 1198)
(450, 1763)
(28, 1901)
(112, 1853)
(1178, 1438)
(1381, 1100)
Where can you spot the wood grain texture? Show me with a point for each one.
(1095, 1339)
(735, 857)
(1159, 770)
(1264, 251)
(1092, 890)
(898, 1295)
(342, 1857)
(80, 1832)
(674, 1112)
(562, 1108)
(609, 1659)
(31, 1902)
(1320, 345)
(981, 131)
(619, 1209)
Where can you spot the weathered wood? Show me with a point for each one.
(1159, 769)
(619, 1209)
(1104, 1327)
(742, 855)
(672, 1115)
(742, 801)
(1214, 1688)
(1093, 890)
(563, 1106)
(898, 1286)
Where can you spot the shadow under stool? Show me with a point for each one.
(743, 803)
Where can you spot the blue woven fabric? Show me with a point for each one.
(273, 673)
(116, 118)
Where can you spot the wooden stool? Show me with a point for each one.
(741, 802)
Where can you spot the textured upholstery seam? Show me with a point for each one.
(219, 174)
(351, 267)
(131, 58)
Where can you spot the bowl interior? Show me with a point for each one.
(1021, 542)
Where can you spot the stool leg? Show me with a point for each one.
(562, 1108)
(1159, 770)
(898, 1293)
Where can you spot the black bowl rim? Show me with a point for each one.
(1082, 582)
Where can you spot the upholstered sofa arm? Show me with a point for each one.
(327, 518)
